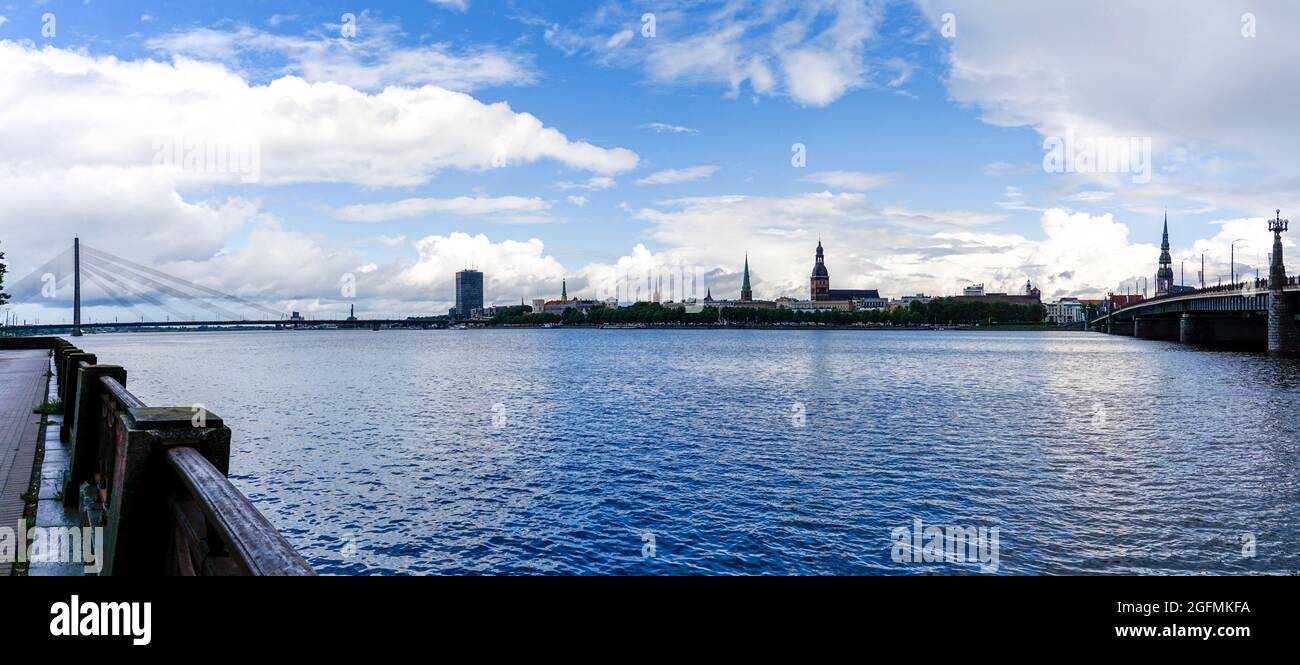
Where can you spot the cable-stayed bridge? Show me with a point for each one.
(83, 274)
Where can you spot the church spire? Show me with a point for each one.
(1164, 243)
(564, 289)
(746, 294)
(1165, 273)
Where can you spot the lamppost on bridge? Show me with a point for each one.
(1232, 261)
(1283, 336)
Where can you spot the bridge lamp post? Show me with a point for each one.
(1232, 261)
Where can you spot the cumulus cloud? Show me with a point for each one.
(676, 176)
(508, 207)
(299, 131)
(84, 136)
(1189, 80)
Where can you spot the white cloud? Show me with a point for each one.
(896, 250)
(663, 127)
(458, 5)
(853, 180)
(302, 132)
(511, 269)
(814, 52)
(579, 201)
(370, 60)
(594, 183)
(1189, 80)
(507, 207)
(677, 176)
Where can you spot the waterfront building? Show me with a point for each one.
(539, 304)
(1065, 311)
(565, 302)
(905, 302)
(818, 305)
(1116, 301)
(1030, 295)
(469, 292)
(820, 285)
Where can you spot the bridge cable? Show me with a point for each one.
(103, 286)
(159, 286)
(135, 291)
(185, 282)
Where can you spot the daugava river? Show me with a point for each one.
(749, 451)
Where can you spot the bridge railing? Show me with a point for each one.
(154, 479)
(1260, 284)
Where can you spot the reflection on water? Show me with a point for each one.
(560, 451)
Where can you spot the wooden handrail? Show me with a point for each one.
(257, 547)
(114, 474)
(124, 398)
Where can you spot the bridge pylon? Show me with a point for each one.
(76, 287)
(1283, 335)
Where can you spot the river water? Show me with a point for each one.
(745, 452)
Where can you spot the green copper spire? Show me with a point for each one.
(564, 289)
(746, 293)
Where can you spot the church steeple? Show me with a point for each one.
(821, 279)
(564, 289)
(746, 294)
(1165, 273)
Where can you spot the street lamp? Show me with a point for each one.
(1232, 261)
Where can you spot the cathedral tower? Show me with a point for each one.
(821, 279)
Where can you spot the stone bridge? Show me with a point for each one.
(1258, 314)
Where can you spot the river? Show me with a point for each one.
(580, 451)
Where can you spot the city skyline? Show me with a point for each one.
(690, 167)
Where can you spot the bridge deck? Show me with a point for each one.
(22, 387)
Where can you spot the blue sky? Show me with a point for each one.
(389, 157)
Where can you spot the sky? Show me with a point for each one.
(373, 150)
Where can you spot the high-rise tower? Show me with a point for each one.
(821, 279)
(746, 294)
(1165, 274)
(469, 292)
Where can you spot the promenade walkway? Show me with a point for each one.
(22, 387)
